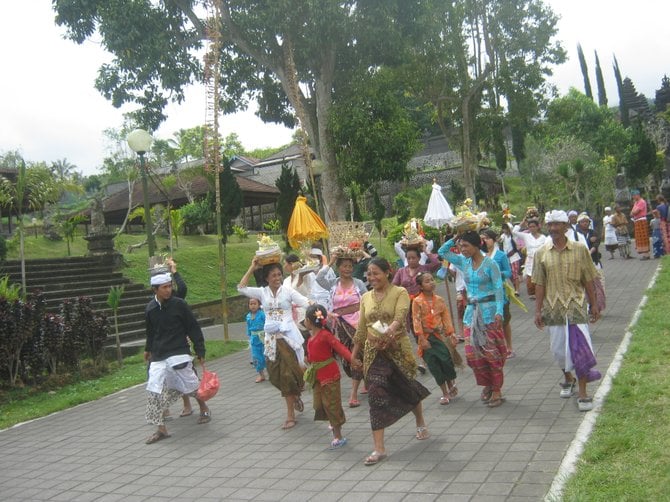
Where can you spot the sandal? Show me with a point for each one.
(444, 400)
(260, 379)
(299, 405)
(186, 413)
(453, 392)
(486, 395)
(205, 417)
(156, 436)
(289, 424)
(374, 458)
(422, 433)
(354, 403)
(494, 403)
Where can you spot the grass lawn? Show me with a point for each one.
(628, 455)
(26, 403)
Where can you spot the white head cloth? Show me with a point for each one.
(159, 279)
(556, 216)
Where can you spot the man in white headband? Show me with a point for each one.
(169, 326)
(562, 305)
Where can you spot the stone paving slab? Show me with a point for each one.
(96, 451)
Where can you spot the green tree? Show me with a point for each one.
(33, 189)
(69, 229)
(576, 115)
(289, 187)
(602, 94)
(114, 301)
(231, 200)
(373, 135)
(478, 55)
(585, 72)
(640, 158)
(156, 48)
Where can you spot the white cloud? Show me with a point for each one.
(49, 109)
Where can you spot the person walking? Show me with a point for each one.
(345, 297)
(533, 240)
(389, 365)
(563, 276)
(491, 249)
(639, 216)
(485, 347)
(285, 355)
(609, 232)
(620, 223)
(434, 329)
(170, 325)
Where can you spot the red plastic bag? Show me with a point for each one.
(209, 385)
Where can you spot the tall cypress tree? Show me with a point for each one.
(289, 187)
(231, 200)
(585, 72)
(602, 96)
(623, 109)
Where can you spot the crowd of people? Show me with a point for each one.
(383, 326)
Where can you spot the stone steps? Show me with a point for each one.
(65, 278)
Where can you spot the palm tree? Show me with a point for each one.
(114, 300)
(34, 189)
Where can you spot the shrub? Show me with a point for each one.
(241, 232)
(3, 248)
(273, 226)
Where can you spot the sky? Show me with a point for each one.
(50, 110)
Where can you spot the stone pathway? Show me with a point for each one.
(96, 451)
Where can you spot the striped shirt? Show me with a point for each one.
(563, 275)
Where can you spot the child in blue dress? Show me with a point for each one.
(255, 322)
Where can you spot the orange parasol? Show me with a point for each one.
(305, 225)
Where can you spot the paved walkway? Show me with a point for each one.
(96, 451)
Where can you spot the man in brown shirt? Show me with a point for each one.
(563, 275)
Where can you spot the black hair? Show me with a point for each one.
(472, 237)
(317, 315)
(417, 251)
(383, 264)
(339, 261)
(419, 277)
(270, 267)
(292, 258)
(490, 233)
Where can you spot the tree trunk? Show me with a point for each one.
(131, 189)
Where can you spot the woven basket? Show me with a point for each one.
(267, 259)
(343, 233)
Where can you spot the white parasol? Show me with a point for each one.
(439, 212)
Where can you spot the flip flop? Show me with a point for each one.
(289, 424)
(354, 403)
(422, 433)
(374, 458)
(205, 417)
(185, 413)
(444, 400)
(494, 403)
(157, 436)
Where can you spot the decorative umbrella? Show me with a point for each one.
(305, 225)
(439, 212)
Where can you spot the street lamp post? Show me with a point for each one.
(140, 141)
